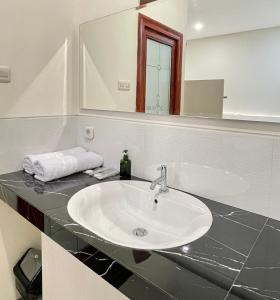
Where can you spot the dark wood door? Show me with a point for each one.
(153, 30)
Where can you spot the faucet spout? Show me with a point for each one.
(155, 183)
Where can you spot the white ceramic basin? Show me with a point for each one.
(125, 213)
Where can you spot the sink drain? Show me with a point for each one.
(140, 232)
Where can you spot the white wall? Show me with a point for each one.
(88, 10)
(109, 54)
(36, 41)
(74, 281)
(249, 63)
(7, 286)
(39, 41)
(224, 17)
(13, 247)
(22, 136)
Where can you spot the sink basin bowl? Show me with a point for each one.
(125, 213)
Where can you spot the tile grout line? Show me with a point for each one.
(182, 124)
(253, 246)
(38, 117)
(234, 221)
(270, 193)
(226, 246)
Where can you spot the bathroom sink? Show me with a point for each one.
(126, 213)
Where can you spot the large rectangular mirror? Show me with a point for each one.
(207, 58)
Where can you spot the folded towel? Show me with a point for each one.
(49, 169)
(29, 160)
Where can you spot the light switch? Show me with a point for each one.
(5, 74)
(124, 85)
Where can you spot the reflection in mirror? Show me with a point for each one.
(159, 69)
(158, 77)
(228, 68)
(132, 61)
(233, 64)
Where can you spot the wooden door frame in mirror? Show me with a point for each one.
(144, 2)
(149, 28)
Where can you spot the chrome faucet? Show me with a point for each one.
(162, 180)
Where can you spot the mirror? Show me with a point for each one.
(203, 58)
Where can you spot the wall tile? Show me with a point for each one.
(274, 207)
(21, 136)
(111, 138)
(228, 167)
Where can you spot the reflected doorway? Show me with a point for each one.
(159, 74)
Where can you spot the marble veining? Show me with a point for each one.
(236, 259)
(259, 278)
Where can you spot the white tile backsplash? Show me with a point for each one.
(21, 136)
(111, 138)
(239, 169)
(274, 205)
(230, 167)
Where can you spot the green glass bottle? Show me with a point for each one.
(125, 166)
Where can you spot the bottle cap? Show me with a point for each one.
(125, 154)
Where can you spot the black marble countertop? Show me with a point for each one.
(237, 259)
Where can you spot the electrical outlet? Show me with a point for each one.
(124, 85)
(89, 133)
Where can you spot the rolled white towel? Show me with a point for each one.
(88, 160)
(29, 160)
(54, 168)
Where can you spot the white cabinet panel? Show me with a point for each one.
(64, 277)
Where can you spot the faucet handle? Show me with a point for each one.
(163, 169)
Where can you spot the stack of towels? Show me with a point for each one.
(49, 166)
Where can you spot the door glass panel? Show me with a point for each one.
(152, 53)
(158, 78)
(151, 88)
(165, 56)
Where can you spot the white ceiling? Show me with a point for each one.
(229, 16)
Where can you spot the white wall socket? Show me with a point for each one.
(89, 133)
(124, 85)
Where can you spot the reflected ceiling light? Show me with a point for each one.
(198, 26)
(185, 249)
